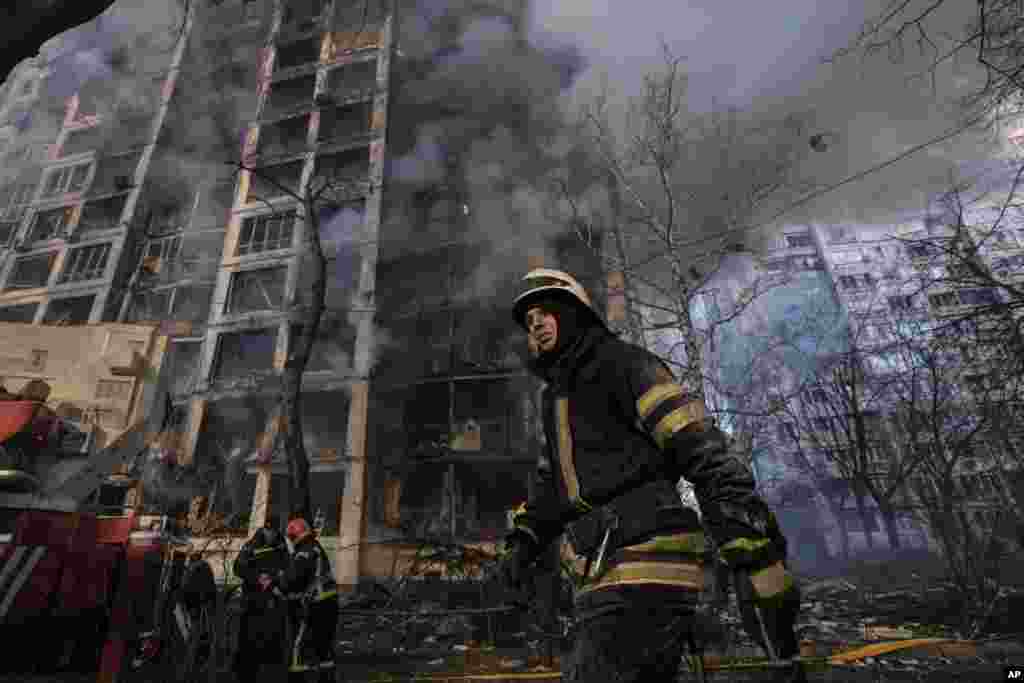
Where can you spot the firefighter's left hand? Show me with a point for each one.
(520, 554)
(265, 581)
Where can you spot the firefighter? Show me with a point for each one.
(313, 595)
(620, 433)
(261, 628)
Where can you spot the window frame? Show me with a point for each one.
(66, 173)
(51, 255)
(246, 247)
(72, 261)
(63, 229)
(230, 302)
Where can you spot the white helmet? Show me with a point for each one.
(542, 281)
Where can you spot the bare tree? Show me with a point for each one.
(990, 39)
(673, 199)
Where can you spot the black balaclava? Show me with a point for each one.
(573, 322)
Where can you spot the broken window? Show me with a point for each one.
(799, 241)
(66, 179)
(358, 79)
(340, 123)
(298, 53)
(285, 175)
(150, 306)
(184, 367)
(242, 353)
(50, 224)
(297, 11)
(326, 492)
(347, 172)
(83, 140)
(114, 174)
(325, 424)
(283, 137)
(103, 214)
(161, 254)
(20, 313)
(192, 302)
(942, 300)
(69, 311)
(86, 263)
(31, 271)
(289, 95)
(267, 232)
(256, 290)
(333, 347)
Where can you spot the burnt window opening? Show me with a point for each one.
(86, 263)
(943, 300)
(20, 313)
(192, 302)
(347, 172)
(103, 214)
(459, 501)
(69, 311)
(283, 137)
(277, 503)
(298, 11)
(7, 231)
(340, 123)
(66, 179)
(14, 198)
(332, 348)
(31, 271)
(83, 140)
(267, 232)
(184, 367)
(326, 490)
(256, 290)
(290, 95)
(298, 53)
(150, 306)
(242, 353)
(286, 175)
(114, 174)
(162, 251)
(170, 216)
(358, 79)
(46, 225)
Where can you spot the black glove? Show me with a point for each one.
(521, 552)
(695, 442)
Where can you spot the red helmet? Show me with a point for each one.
(297, 530)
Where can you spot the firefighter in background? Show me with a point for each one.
(313, 596)
(261, 628)
(620, 433)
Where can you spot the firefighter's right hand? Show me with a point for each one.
(265, 581)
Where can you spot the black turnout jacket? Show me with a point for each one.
(620, 433)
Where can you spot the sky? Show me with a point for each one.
(770, 55)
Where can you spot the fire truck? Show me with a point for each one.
(78, 583)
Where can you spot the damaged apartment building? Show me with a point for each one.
(120, 203)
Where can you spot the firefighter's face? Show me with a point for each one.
(542, 330)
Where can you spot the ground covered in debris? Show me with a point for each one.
(865, 610)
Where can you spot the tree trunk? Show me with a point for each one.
(889, 517)
(863, 512)
(291, 400)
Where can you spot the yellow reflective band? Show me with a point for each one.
(771, 581)
(655, 396)
(745, 544)
(678, 419)
(677, 543)
(263, 551)
(565, 455)
(326, 595)
(689, 575)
